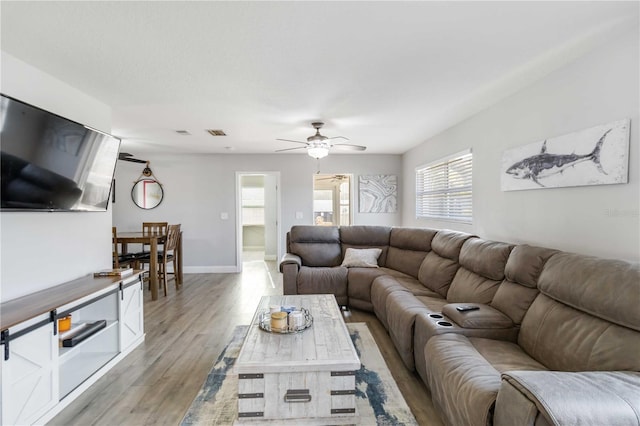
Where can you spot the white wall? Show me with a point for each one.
(40, 250)
(599, 87)
(200, 187)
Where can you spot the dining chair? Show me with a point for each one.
(158, 228)
(120, 260)
(167, 255)
(153, 228)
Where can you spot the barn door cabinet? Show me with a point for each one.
(39, 375)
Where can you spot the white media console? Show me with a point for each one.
(39, 376)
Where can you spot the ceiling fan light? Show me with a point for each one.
(317, 152)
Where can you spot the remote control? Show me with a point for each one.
(467, 308)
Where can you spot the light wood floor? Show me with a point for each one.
(185, 333)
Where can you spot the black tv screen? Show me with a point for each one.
(51, 163)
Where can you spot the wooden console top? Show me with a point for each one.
(23, 308)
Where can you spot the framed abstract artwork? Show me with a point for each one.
(378, 193)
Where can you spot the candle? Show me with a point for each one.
(296, 320)
(274, 308)
(279, 321)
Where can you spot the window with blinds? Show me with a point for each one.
(443, 188)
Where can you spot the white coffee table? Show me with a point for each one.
(306, 377)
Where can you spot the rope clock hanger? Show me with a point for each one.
(147, 192)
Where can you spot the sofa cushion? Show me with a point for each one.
(520, 286)
(607, 289)
(525, 264)
(401, 309)
(433, 303)
(448, 243)
(505, 356)
(405, 261)
(561, 398)
(415, 239)
(408, 248)
(359, 287)
(381, 287)
(437, 272)
(470, 287)
(415, 287)
(361, 284)
(481, 270)
(514, 300)
(441, 264)
(430, 323)
(361, 258)
(364, 236)
(463, 384)
(316, 245)
(486, 258)
(323, 280)
(463, 380)
(565, 339)
(586, 316)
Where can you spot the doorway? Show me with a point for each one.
(257, 213)
(332, 199)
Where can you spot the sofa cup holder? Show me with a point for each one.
(445, 323)
(436, 316)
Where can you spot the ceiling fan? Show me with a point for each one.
(125, 156)
(318, 146)
(333, 178)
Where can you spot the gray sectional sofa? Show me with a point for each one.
(554, 337)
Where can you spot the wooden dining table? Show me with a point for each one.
(152, 239)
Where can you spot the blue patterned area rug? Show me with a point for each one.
(378, 399)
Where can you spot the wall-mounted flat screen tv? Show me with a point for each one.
(50, 163)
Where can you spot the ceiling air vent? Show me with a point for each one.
(214, 132)
(183, 132)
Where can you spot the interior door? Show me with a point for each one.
(258, 215)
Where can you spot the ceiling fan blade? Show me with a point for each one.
(289, 140)
(339, 137)
(132, 160)
(349, 147)
(125, 156)
(335, 178)
(290, 149)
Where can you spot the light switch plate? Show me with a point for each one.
(224, 215)
(299, 215)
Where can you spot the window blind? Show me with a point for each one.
(444, 188)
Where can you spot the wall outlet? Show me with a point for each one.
(299, 215)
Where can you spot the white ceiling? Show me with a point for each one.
(387, 75)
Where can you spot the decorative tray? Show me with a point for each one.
(264, 322)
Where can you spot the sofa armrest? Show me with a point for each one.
(289, 266)
(563, 398)
(484, 317)
(290, 258)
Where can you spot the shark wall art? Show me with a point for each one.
(595, 156)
